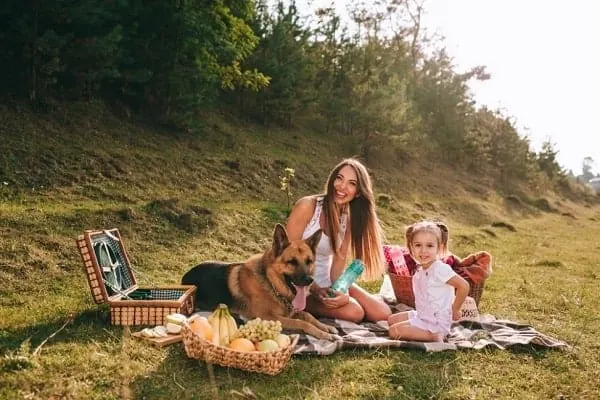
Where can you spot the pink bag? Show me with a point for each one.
(394, 256)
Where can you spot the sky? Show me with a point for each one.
(543, 59)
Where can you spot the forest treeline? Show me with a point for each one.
(375, 78)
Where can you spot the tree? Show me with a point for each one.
(586, 168)
(192, 49)
(167, 57)
(548, 163)
(282, 55)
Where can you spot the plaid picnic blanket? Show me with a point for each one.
(485, 331)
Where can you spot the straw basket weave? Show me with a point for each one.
(168, 300)
(270, 363)
(475, 290)
(403, 290)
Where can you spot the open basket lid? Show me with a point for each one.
(107, 265)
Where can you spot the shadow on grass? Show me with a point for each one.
(90, 325)
(183, 378)
(363, 373)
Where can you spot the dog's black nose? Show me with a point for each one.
(303, 280)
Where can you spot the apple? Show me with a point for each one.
(267, 345)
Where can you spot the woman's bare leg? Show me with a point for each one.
(350, 312)
(374, 308)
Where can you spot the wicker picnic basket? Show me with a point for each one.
(475, 290)
(403, 290)
(129, 303)
(270, 363)
(402, 282)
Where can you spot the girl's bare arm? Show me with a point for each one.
(462, 290)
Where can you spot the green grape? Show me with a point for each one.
(258, 329)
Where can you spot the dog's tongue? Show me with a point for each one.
(299, 302)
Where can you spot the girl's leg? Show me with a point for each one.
(398, 317)
(374, 308)
(352, 311)
(405, 331)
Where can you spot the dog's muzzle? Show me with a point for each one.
(302, 280)
(299, 285)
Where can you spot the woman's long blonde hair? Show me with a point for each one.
(366, 235)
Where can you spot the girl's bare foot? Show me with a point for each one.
(437, 337)
(394, 331)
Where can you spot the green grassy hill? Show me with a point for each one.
(180, 197)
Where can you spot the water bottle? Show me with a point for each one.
(353, 271)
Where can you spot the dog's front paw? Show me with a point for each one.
(332, 329)
(335, 338)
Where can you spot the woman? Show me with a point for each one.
(346, 213)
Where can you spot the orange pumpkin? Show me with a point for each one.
(201, 327)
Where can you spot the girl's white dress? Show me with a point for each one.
(433, 298)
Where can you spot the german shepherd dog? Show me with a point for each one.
(269, 286)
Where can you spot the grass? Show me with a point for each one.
(179, 199)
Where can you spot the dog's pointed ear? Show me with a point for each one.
(280, 240)
(314, 239)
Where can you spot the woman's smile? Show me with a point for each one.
(345, 185)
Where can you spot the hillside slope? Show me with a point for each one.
(216, 192)
(179, 198)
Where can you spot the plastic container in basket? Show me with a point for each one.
(270, 363)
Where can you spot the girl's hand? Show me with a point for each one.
(455, 314)
(334, 299)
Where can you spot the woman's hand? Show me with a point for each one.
(333, 298)
(320, 293)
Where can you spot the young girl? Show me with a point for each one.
(346, 213)
(439, 291)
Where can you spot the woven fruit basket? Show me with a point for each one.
(270, 363)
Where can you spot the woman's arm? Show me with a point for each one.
(339, 259)
(337, 267)
(300, 217)
(462, 290)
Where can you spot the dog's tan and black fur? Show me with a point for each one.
(265, 284)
